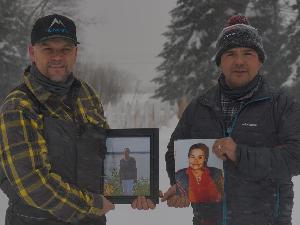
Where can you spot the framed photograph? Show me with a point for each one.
(199, 176)
(131, 165)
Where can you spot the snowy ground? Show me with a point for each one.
(123, 214)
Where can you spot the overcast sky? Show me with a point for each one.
(128, 34)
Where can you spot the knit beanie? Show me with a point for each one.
(239, 33)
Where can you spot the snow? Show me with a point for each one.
(137, 111)
(178, 40)
(294, 75)
(176, 19)
(192, 74)
(201, 87)
(210, 11)
(230, 12)
(11, 51)
(184, 27)
(250, 12)
(295, 215)
(296, 30)
(195, 39)
(2, 44)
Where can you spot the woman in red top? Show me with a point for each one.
(203, 185)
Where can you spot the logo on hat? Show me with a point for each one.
(57, 30)
(56, 21)
(53, 26)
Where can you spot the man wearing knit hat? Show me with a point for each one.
(257, 132)
(52, 137)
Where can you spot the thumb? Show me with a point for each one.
(161, 195)
(107, 205)
(170, 192)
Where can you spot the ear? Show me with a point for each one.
(31, 53)
(76, 51)
(260, 64)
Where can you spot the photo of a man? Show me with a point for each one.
(127, 167)
(128, 172)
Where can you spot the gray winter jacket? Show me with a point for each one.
(258, 186)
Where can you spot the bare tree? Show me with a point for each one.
(107, 80)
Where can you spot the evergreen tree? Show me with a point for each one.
(290, 50)
(266, 17)
(188, 66)
(10, 54)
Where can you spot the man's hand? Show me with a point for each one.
(173, 200)
(142, 203)
(107, 206)
(225, 148)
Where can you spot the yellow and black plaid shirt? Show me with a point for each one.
(23, 150)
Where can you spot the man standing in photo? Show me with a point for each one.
(128, 172)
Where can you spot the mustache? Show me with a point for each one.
(238, 67)
(56, 63)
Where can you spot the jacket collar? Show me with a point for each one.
(211, 97)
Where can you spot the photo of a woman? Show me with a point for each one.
(204, 185)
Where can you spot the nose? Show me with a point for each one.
(57, 55)
(197, 161)
(239, 59)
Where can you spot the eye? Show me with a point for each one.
(249, 53)
(66, 51)
(47, 50)
(228, 53)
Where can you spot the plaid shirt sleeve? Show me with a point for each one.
(23, 155)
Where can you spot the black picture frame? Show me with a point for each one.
(148, 186)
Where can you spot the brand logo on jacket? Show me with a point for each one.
(249, 124)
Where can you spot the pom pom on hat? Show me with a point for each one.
(237, 19)
(239, 33)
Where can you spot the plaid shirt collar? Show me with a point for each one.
(41, 93)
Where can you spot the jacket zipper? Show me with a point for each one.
(228, 133)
